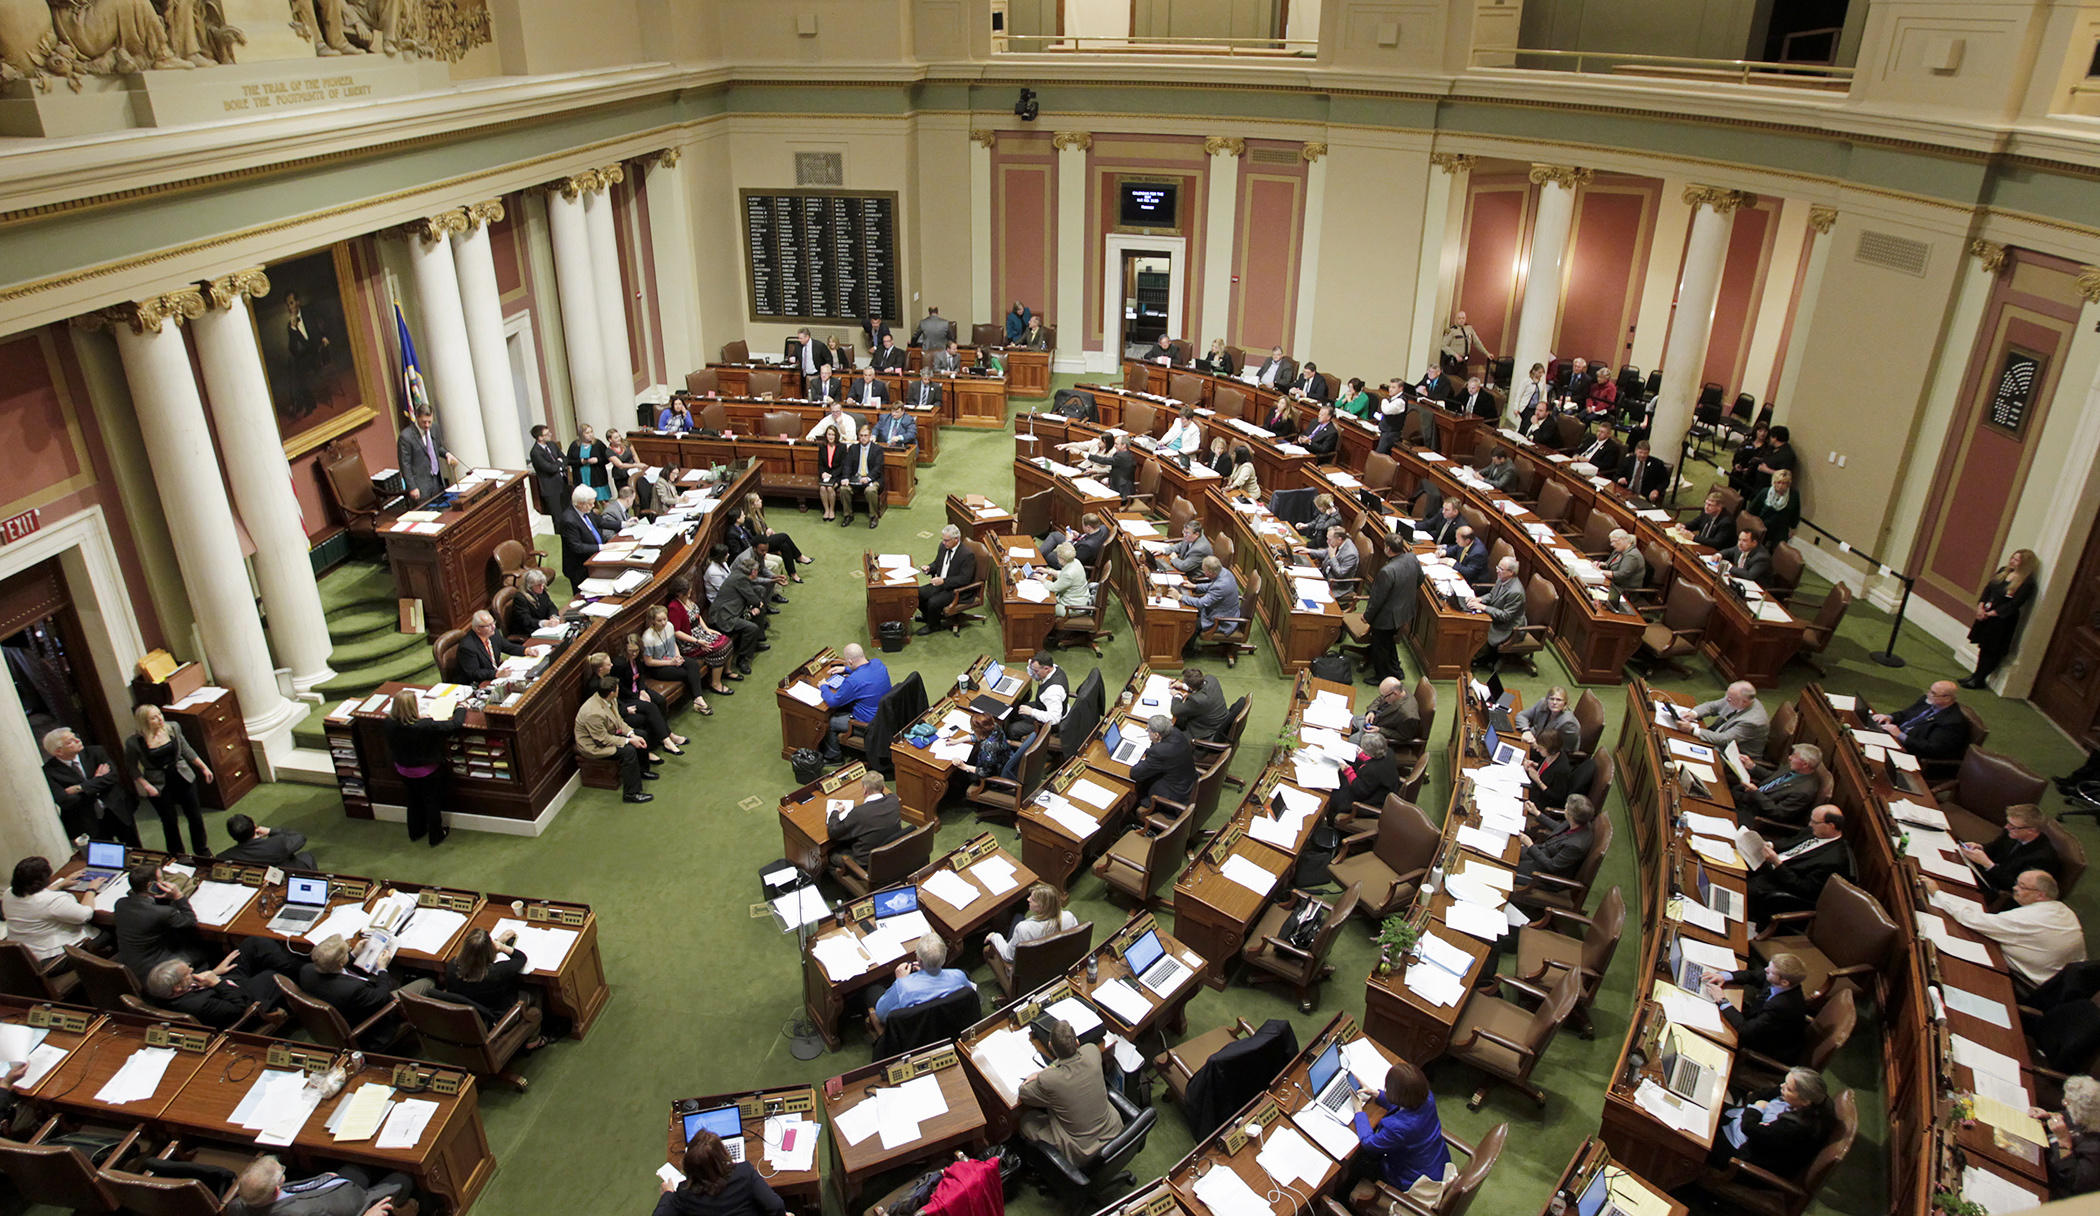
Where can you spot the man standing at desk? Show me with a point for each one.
(1391, 605)
(852, 693)
(1068, 1107)
(1504, 604)
(422, 455)
(934, 333)
(808, 354)
(581, 536)
(951, 569)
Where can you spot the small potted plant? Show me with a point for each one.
(1288, 740)
(1396, 940)
(1950, 1203)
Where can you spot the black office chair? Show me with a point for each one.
(1629, 384)
(915, 1026)
(1654, 384)
(1073, 1185)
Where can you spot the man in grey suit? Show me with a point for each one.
(422, 456)
(1390, 606)
(1504, 604)
(1186, 555)
(1199, 706)
(1277, 371)
(1561, 854)
(935, 333)
(1738, 719)
(1338, 560)
(1067, 1102)
(1219, 598)
(347, 1191)
(948, 362)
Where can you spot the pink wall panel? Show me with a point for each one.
(1603, 281)
(1742, 287)
(1495, 220)
(34, 424)
(1265, 263)
(1024, 237)
(506, 247)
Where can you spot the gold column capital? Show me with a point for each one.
(1453, 162)
(985, 136)
(434, 228)
(663, 158)
(1565, 176)
(1722, 200)
(576, 185)
(1990, 253)
(225, 289)
(1312, 151)
(1224, 145)
(1822, 219)
(488, 211)
(1066, 141)
(611, 175)
(2088, 284)
(146, 316)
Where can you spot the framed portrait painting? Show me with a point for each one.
(319, 387)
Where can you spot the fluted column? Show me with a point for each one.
(1821, 219)
(1436, 266)
(186, 473)
(1220, 212)
(446, 359)
(612, 297)
(1072, 321)
(1684, 355)
(261, 477)
(1539, 318)
(671, 241)
(579, 299)
(481, 305)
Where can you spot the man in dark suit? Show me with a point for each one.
(1774, 1018)
(739, 610)
(896, 429)
(1168, 767)
(1783, 793)
(1390, 604)
(325, 978)
(888, 357)
(923, 393)
(1776, 1130)
(581, 535)
(869, 393)
(1601, 450)
(1277, 371)
(823, 386)
(807, 354)
(422, 456)
(863, 476)
(1161, 351)
(1643, 475)
(550, 470)
(154, 923)
(1932, 727)
(1322, 439)
(2019, 848)
(875, 822)
(1792, 878)
(1393, 713)
(218, 997)
(256, 845)
(1442, 528)
(1433, 385)
(1749, 560)
(1118, 467)
(482, 651)
(1199, 705)
(1470, 555)
(1559, 855)
(1309, 384)
(90, 796)
(1092, 539)
(953, 567)
(1715, 525)
(1476, 400)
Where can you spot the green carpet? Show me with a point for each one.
(702, 991)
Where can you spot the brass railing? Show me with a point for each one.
(1682, 67)
(1104, 44)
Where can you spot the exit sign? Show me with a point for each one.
(22, 525)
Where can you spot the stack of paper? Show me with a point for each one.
(1122, 1000)
(1935, 930)
(996, 873)
(1669, 1109)
(430, 930)
(1008, 1058)
(139, 1078)
(1069, 817)
(860, 1122)
(799, 907)
(1998, 1196)
(1227, 1194)
(1248, 875)
(841, 956)
(1688, 1009)
(1289, 1157)
(349, 920)
(791, 1143)
(1437, 975)
(1090, 793)
(360, 1114)
(951, 888)
(545, 948)
(405, 1123)
(1280, 831)
(1075, 1013)
(1335, 1137)
(1474, 920)
(215, 903)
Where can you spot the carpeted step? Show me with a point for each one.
(376, 648)
(312, 731)
(356, 620)
(411, 666)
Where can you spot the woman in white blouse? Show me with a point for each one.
(1185, 435)
(1242, 480)
(42, 917)
(1046, 915)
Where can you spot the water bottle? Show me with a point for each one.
(1093, 968)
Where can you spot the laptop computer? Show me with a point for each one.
(1687, 974)
(897, 902)
(1498, 713)
(724, 1121)
(1499, 752)
(1690, 784)
(1125, 749)
(1690, 1080)
(1596, 1198)
(1900, 777)
(1152, 965)
(105, 860)
(1333, 1085)
(305, 901)
(996, 679)
(1718, 898)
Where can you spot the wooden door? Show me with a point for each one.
(38, 602)
(2068, 688)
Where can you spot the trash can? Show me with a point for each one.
(892, 636)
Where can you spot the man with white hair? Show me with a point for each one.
(344, 1191)
(1623, 564)
(90, 794)
(581, 534)
(483, 650)
(2040, 935)
(326, 977)
(1504, 604)
(1215, 599)
(218, 997)
(1738, 719)
(953, 567)
(927, 977)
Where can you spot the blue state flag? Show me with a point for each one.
(414, 395)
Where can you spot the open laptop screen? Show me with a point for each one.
(723, 1121)
(105, 855)
(897, 902)
(1324, 1068)
(312, 892)
(1144, 952)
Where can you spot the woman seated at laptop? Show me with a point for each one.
(1779, 1130)
(716, 1186)
(1407, 1143)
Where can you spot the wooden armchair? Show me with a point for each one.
(1829, 1030)
(23, 975)
(1403, 843)
(702, 382)
(1153, 850)
(509, 560)
(1457, 1198)
(1001, 798)
(1227, 743)
(1748, 1188)
(456, 1035)
(888, 864)
(1544, 893)
(1085, 628)
(1506, 1041)
(142, 1192)
(1555, 503)
(1275, 961)
(46, 1171)
(1233, 636)
(967, 608)
(738, 351)
(1541, 604)
(1983, 786)
(1181, 1062)
(349, 482)
(1589, 722)
(326, 1025)
(763, 385)
(1816, 638)
(252, 1018)
(1845, 942)
(1542, 954)
(444, 653)
(1680, 629)
(1041, 961)
(105, 982)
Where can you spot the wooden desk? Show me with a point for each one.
(1401, 1019)
(802, 724)
(1073, 493)
(1024, 624)
(1162, 623)
(979, 518)
(1299, 633)
(888, 600)
(787, 466)
(746, 416)
(451, 570)
(1056, 852)
(991, 908)
(1001, 1105)
(1593, 1158)
(1213, 912)
(801, 1190)
(962, 1124)
(1168, 1014)
(734, 379)
(1027, 370)
(804, 838)
(1668, 1155)
(922, 778)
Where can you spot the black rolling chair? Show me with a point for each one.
(1074, 1184)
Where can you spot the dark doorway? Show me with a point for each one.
(48, 658)
(1145, 279)
(1805, 31)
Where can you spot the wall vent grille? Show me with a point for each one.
(1898, 253)
(1273, 156)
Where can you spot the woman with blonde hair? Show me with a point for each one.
(662, 659)
(1998, 613)
(1046, 915)
(780, 547)
(417, 745)
(165, 770)
(620, 460)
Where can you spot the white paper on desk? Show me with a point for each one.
(1905, 761)
(1685, 750)
(859, 1122)
(106, 899)
(1288, 1155)
(41, 1061)
(1028, 555)
(599, 608)
(1225, 1193)
(1120, 999)
(1721, 853)
(1979, 1058)
(1363, 1058)
(919, 1099)
(1669, 1109)
(954, 751)
(1324, 713)
(802, 906)
(1875, 738)
(1248, 875)
(1008, 1058)
(1279, 832)
(1710, 825)
(1482, 840)
(1315, 774)
(1474, 920)
(791, 1142)
(430, 929)
(894, 561)
(1096, 796)
(215, 903)
(546, 948)
(1035, 591)
(347, 919)
(1136, 527)
(996, 873)
(842, 959)
(360, 1114)
(1336, 1138)
(2013, 1094)
(1075, 1013)
(1434, 984)
(1979, 1007)
(139, 1078)
(886, 945)
(1938, 864)
(264, 1103)
(291, 1109)
(1998, 1196)
(1936, 931)
(951, 888)
(1467, 889)
(805, 693)
(1917, 814)
(1711, 957)
(1704, 772)
(1071, 818)
(1692, 912)
(1686, 1009)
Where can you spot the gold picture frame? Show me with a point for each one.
(321, 382)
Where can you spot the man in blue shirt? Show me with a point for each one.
(917, 983)
(852, 694)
